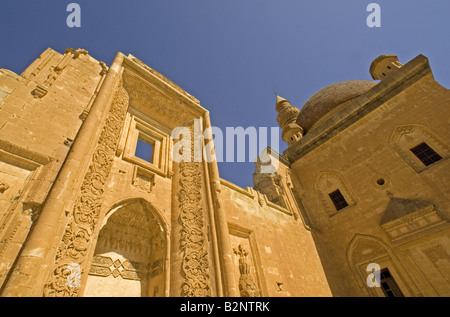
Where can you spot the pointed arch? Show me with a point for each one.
(326, 183)
(131, 252)
(364, 250)
(406, 137)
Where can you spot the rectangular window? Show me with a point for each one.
(388, 284)
(144, 150)
(426, 154)
(338, 199)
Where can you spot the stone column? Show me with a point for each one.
(223, 236)
(38, 254)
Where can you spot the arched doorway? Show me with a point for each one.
(130, 254)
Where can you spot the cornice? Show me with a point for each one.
(409, 74)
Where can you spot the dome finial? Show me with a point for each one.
(281, 103)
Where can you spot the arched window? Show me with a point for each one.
(418, 146)
(334, 193)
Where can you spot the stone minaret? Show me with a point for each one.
(287, 115)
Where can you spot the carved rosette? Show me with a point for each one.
(193, 244)
(82, 221)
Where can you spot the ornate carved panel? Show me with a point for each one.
(83, 219)
(193, 243)
(104, 266)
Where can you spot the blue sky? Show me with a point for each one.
(233, 55)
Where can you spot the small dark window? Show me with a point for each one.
(426, 154)
(338, 200)
(144, 150)
(388, 284)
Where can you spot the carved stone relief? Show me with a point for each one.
(83, 219)
(193, 242)
(247, 283)
(105, 266)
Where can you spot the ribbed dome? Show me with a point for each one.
(329, 98)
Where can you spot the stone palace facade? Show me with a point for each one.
(365, 180)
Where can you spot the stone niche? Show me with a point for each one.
(130, 255)
(244, 258)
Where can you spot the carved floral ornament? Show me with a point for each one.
(195, 263)
(193, 241)
(83, 219)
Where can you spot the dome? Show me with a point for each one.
(329, 98)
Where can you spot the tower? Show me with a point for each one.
(287, 115)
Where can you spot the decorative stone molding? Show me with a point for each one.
(104, 266)
(58, 286)
(143, 179)
(164, 79)
(83, 219)
(329, 182)
(161, 143)
(193, 245)
(365, 249)
(195, 265)
(149, 98)
(404, 218)
(40, 91)
(361, 251)
(407, 136)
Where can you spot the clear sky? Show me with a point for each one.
(234, 54)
